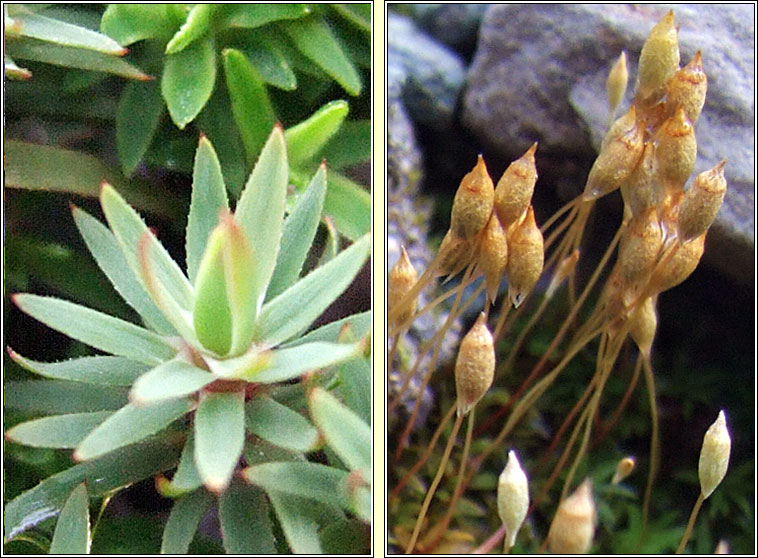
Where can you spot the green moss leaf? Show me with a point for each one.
(270, 60)
(301, 531)
(309, 480)
(169, 380)
(219, 437)
(197, 24)
(286, 364)
(72, 532)
(137, 119)
(183, 521)
(280, 425)
(255, 15)
(186, 479)
(98, 370)
(129, 23)
(307, 138)
(60, 431)
(244, 518)
(187, 81)
(53, 397)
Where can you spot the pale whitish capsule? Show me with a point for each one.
(701, 203)
(624, 468)
(714, 456)
(659, 58)
(512, 498)
(474, 366)
(402, 278)
(687, 88)
(573, 526)
(617, 80)
(722, 547)
(679, 266)
(640, 246)
(493, 255)
(454, 254)
(526, 256)
(619, 154)
(473, 202)
(675, 151)
(514, 190)
(643, 324)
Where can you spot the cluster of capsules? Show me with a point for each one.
(649, 153)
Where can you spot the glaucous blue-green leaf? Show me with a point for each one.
(71, 57)
(304, 140)
(310, 480)
(96, 329)
(106, 250)
(137, 119)
(349, 146)
(280, 425)
(298, 234)
(354, 387)
(208, 199)
(186, 478)
(260, 210)
(255, 15)
(99, 370)
(358, 14)
(271, 62)
(129, 425)
(315, 40)
(14, 71)
(129, 23)
(170, 380)
(347, 536)
(198, 24)
(357, 324)
(183, 521)
(244, 519)
(59, 431)
(118, 469)
(300, 530)
(52, 397)
(61, 33)
(257, 450)
(331, 243)
(349, 205)
(251, 105)
(72, 532)
(219, 437)
(188, 79)
(286, 364)
(345, 432)
(297, 307)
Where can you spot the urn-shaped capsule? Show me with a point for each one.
(643, 324)
(493, 255)
(677, 267)
(526, 257)
(640, 246)
(617, 80)
(714, 456)
(687, 89)
(701, 202)
(659, 58)
(454, 254)
(513, 194)
(474, 366)
(473, 202)
(573, 526)
(641, 190)
(512, 498)
(402, 278)
(675, 151)
(624, 468)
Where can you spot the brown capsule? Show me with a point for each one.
(573, 526)
(515, 188)
(473, 202)
(617, 80)
(526, 256)
(493, 255)
(474, 366)
(619, 154)
(402, 278)
(641, 190)
(643, 324)
(624, 468)
(687, 88)
(675, 151)
(675, 268)
(659, 58)
(454, 254)
(640, 246)
(563, 270)
(701, 203)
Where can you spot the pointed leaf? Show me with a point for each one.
(13, 71)
(130, 424)
(255, 15)
(244, 294)
(358, 14)
(349, 205)
(219, 437)
(183, 521)
(269, 59)
(60, 431)
(187, 81)
(72, 532)
(306, 139)
(245, 525)
(197, 24)
(251, 105)
(260, 210)
(349, 146)
(301, 531)
(310, 480)
(344, 431)
(208, 199)
(96, 329)
(129, 23)
(99, 370)
(65, 34)
(297, 307)
(297, 235)
(104, 247)
(53, 397)
(280, 425)
(287, 364)
(139, 114)
(115, 470)
(358, 325)
(316, 41)
(172, 379)
(354, 386)
(186, 479)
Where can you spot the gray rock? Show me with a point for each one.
(540, 72)
(426, 74)
(456, 25)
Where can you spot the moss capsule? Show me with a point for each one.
(473, 202)
(617, 81)
(512, 498)
(402, 278)
(474, 366)
(659, 59)
(701, 203)
(573, 526)
(714, 456)
(687, 89)
(493, 255)
(515, 188)
(640, 246)
(526, 257)
(675, 151)
(679, 266)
